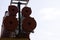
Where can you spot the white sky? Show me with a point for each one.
(47, 16)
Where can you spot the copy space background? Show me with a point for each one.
(46, 14)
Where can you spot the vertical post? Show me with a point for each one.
(19, 19)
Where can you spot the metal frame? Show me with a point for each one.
(19, 3)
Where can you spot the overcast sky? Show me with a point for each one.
(47, 16)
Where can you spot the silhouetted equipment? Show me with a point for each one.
(10, 23)
(5, 34)
(22, 27)
(28, 24)
(26, 11)
(25, 35)
(13, 10)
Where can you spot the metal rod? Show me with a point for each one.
(21, 3)
(19, 19)
(10, 2)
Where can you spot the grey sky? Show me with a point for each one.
(47, 16)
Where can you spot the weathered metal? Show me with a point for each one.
(26, 11)
(10, 23)
(28, 24)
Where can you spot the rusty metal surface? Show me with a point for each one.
(26, 11)
(12, 10)
(28, 24)
(10, 23)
